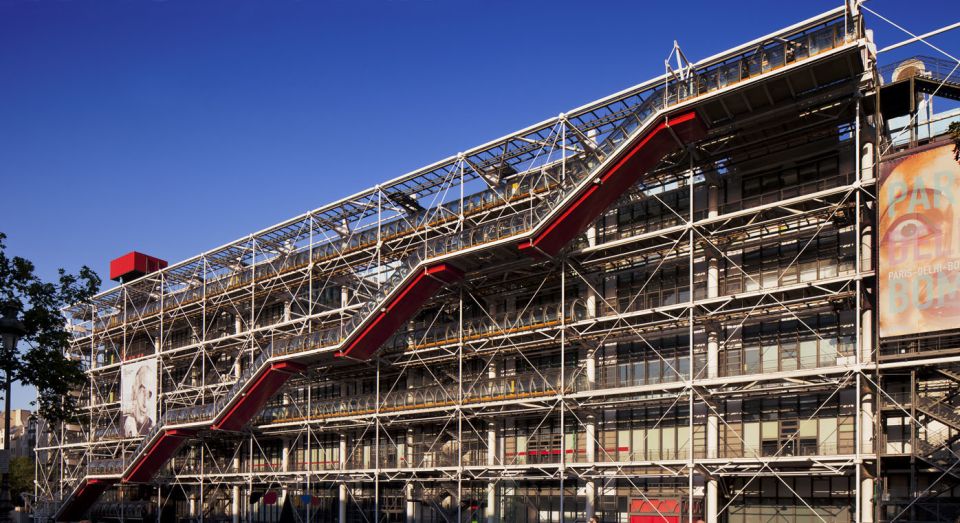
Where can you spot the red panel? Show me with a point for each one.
(83, 499)
(625, 172)
(400, 310)
(257, 395)
(654, 519)
(654, 510)
(157, 455)
(133, 265)
(445, 272)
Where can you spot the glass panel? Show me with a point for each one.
(827, 437)
(653, 444)
(847, 346)
(654, 372)
(789, 276)
(770, 358)
(788, 355)
(669, 442)
(752, 360)
(623, 445)
(808, 428)
(638, 451)
(828, 268)
(808, 271)
(828, 351)
(683, 366)
(683, 441)
(770, 277)
(640, 443)
(751, 438)
(808, 354)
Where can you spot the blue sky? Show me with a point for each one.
(171, 127)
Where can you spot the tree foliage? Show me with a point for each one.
(955, 134)
(21, 478)
(39, 358)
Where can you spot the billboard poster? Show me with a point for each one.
(919, 242)
(138, 397)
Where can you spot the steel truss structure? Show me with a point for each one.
(657, 305)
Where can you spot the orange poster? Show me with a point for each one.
(919, 234)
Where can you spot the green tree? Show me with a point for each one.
(21, 478)
(39, 359)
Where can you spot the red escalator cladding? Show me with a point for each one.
(85, 497)
(157, 455)
(400, 310)
(625, 172)
(257, 395)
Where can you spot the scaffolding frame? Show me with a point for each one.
(242, 280)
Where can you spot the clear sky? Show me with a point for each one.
(171, 127)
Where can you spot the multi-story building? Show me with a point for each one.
(660, 306)
(23, 433)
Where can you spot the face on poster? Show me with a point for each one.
(138, 401)
(919, 235)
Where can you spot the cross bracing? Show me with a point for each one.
(700, 348)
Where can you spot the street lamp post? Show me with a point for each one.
(11, 329)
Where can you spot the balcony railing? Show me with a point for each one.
(906, 346)
(525, 386)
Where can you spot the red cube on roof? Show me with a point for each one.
(133, 265)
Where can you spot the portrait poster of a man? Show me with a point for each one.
(139, 397)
